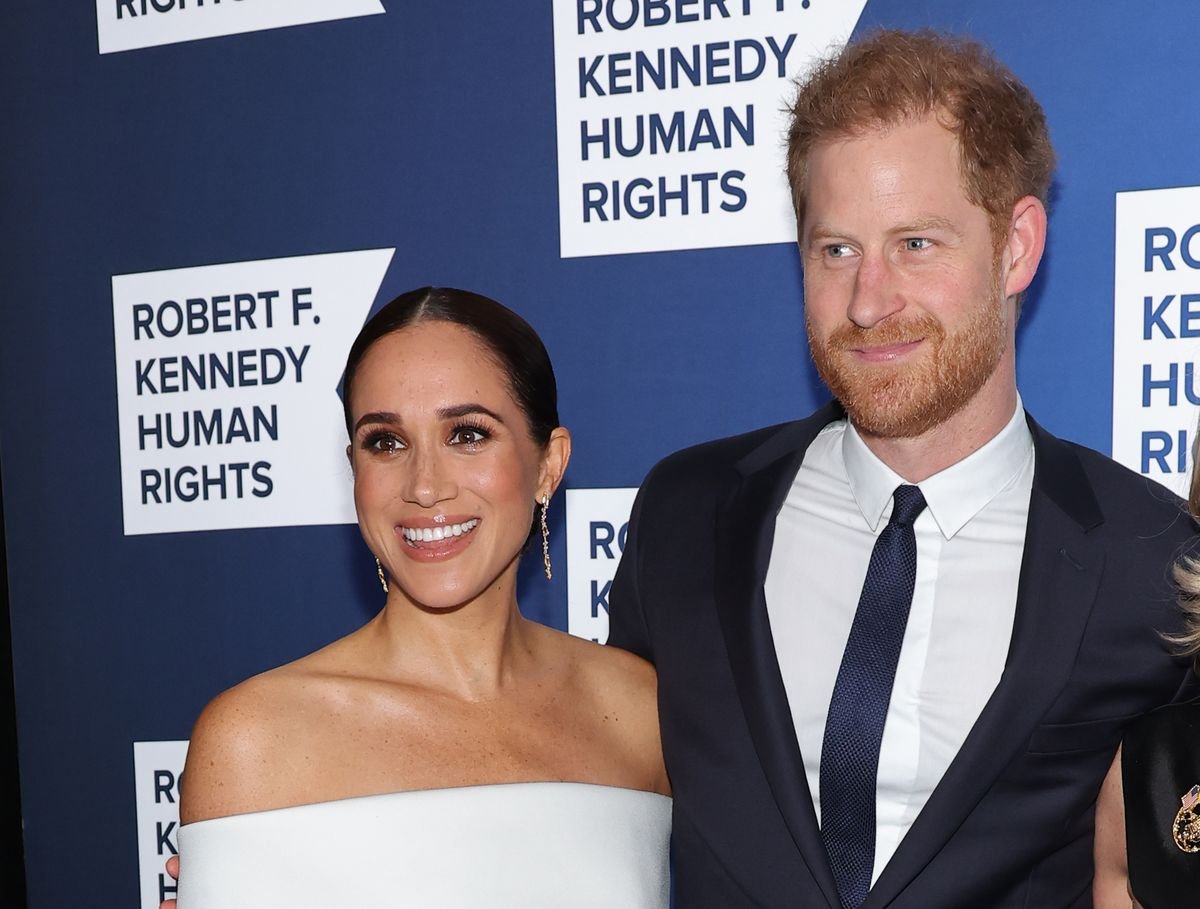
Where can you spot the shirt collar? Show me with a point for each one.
(954, 495)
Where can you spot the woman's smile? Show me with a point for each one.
(433, 541)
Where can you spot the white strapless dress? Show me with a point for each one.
(509, 846)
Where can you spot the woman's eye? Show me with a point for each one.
(916, 244)
(466, 435)
(383, 441)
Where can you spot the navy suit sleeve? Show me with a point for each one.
(626, 621)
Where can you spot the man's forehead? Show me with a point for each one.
(869, 169)
(883, 128)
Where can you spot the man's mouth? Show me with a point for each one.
(882, 353)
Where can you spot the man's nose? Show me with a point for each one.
(877, 292)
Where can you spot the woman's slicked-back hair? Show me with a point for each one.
(516, 347)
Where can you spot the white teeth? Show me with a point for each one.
(433, 534)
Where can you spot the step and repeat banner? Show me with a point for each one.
(205, 199)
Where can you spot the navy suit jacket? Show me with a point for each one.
(1010, 823)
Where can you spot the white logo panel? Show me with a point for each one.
(227, 396)
(1156, 332)
(671, 123)
(131, 24)
(597, 522)
(157, 767)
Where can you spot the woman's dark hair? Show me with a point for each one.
(517, 348)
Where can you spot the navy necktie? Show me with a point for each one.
(858, 708)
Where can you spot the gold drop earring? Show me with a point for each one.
(379, 574)
(546, 537)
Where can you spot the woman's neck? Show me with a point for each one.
(471, 651)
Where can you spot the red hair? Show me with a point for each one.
(893, 76)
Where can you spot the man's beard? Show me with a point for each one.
(907, 399)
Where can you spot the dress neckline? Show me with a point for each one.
(435, 792)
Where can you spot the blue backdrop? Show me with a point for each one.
(430, 129)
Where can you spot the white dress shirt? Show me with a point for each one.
(969, 544)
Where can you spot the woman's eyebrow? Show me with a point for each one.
(444, 413)
(463, 410)
(377, 416)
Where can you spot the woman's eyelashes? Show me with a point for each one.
(382, 440)
(470, 434)
(464, 433)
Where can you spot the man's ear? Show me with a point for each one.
(1024, 244)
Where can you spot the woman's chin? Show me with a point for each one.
(442, 598)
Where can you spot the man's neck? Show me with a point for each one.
(920, 457)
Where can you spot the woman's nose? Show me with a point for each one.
(429, 480)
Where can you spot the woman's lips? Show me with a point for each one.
(435, 532)
(433, 540)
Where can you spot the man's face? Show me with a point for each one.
(902, 283)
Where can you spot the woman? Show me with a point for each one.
(1148, 813)
(450, 752)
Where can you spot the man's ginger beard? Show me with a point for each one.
(905, 400)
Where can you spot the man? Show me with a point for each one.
(911, 704)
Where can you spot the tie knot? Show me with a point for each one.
(908, 504)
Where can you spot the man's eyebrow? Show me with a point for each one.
(822, 232)
(932, 222)
(916, 226)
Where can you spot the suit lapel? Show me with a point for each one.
(745, 532)
(1060, 575)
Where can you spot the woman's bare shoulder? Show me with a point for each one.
(245, 741)
(623, 691)
(624, 675)
(618, 684)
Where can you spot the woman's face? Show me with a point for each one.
(446, 474)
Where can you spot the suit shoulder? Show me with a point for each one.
(727, 450)
(1098, 491)
(712, 459)
(1126, 497)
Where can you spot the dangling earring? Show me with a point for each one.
(379, 574)
(545, 537)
